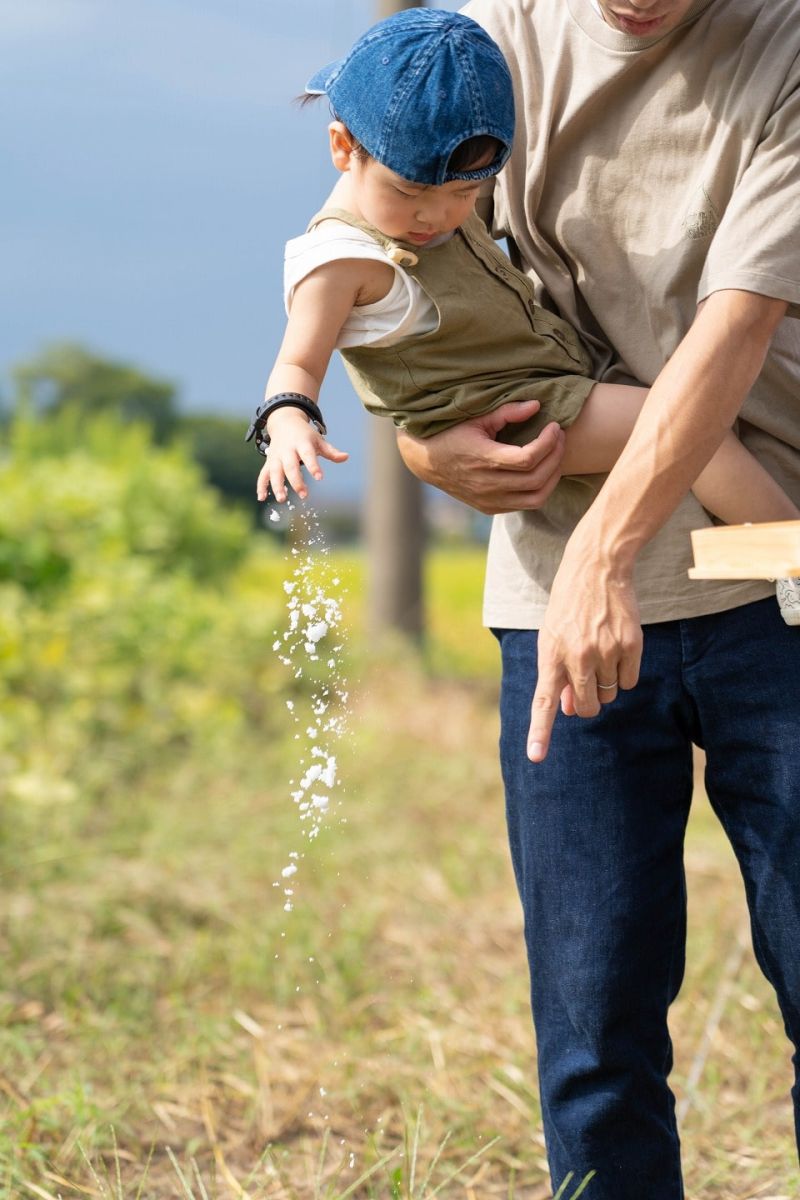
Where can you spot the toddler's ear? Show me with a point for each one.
(341, 145)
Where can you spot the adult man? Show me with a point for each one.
(652, 194)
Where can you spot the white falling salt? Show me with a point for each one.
(313, 772)
(313, 614)
(274, 515)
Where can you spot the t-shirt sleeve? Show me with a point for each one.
(756, 247)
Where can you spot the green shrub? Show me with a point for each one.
(132, 626)
(79, 495)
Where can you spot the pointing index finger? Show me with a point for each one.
(545, 705)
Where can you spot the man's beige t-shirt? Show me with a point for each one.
(647, 174)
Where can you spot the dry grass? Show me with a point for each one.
(157, 989)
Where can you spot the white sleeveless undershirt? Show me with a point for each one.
(404, 312)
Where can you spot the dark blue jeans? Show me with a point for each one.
(596, 836)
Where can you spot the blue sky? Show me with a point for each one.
(153, 165)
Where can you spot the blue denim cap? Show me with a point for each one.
(417, 85)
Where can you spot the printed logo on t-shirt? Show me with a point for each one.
(702, 219)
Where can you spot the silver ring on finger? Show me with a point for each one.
(607, 687)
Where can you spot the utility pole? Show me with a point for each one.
(395, 518)
(387, 7)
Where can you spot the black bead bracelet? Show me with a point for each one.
(258, 426)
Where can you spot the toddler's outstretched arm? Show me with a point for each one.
(320, 305)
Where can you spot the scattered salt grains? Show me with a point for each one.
(314, 614)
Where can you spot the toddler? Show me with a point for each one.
(434, 324)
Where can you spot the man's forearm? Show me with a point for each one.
(590, 643)
(691, 405)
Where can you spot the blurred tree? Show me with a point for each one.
(218, 445)
(66, 377)
(82, 495)
(387, 7)
(395, 516)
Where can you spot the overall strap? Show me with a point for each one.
(396, 251)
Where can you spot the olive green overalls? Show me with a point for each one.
(493, 343)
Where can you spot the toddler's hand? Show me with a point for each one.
(294, 443)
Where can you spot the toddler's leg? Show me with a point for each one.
(597, 436)
(734, 486)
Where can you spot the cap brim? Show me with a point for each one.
(318, 83)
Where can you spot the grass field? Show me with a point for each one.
(168, 1030)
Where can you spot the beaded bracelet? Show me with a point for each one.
(258, 425)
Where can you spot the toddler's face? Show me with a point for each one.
(409, 212)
